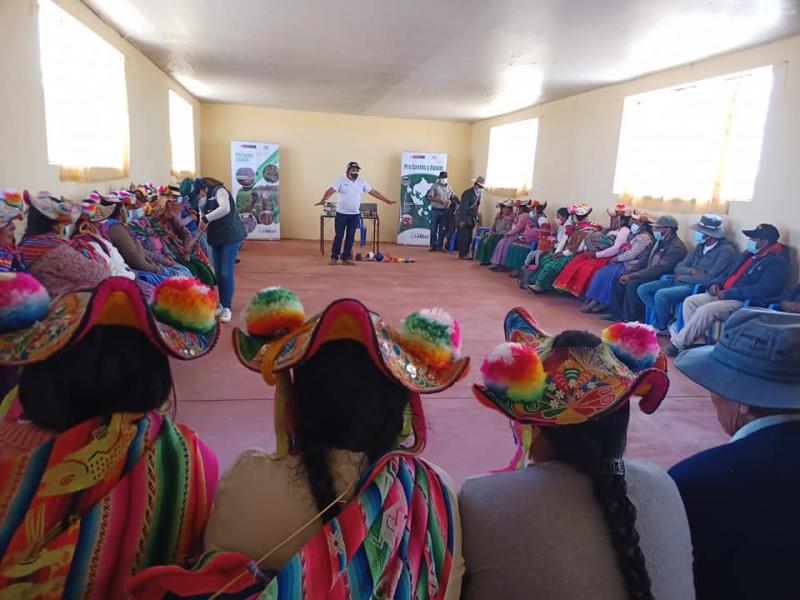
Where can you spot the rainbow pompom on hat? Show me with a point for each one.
(186, 303)
(424, 358)
(23, 301)
(432, 334)
(273, 312)
(534, 382)
(181, 323)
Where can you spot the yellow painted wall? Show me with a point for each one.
(316, 147)
(578, 137)
(23, 139)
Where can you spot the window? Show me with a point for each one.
(181, 136)
(85, 99)
(699, 142)
(512, 149)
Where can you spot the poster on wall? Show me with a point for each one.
(418, 172)
(255, 178)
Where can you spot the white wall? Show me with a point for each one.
(578, 137)
(23, 140)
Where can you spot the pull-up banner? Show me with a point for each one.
(255, 179)
(418, 172)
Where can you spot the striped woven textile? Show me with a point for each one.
(394, 540)
(84, 511)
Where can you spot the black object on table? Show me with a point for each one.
(376, 231)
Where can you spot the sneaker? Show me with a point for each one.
(333, 262)
(225, 315)
(662, 332)
(218, 312)
(348, 263)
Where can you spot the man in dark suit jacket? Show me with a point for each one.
(742, 498)
(666, 253)
(467, 217)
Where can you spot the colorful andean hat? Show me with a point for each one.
(620, 210)
(538, 204)
(10, 206)
(580, 209)
(531, 382)
(642, 216)
(55, 209)
(169, 191)
(181, 322)
(423, 356)
(93, 210)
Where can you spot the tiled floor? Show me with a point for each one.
(231, 407)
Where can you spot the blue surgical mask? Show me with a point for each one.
(752, 246)
(658, 235)
(635, 228)
(136, 213)
(699, 237)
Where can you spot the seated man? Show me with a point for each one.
(712, 256)
(742, 497)
(759, 276)
(667, 252)
(792, 301)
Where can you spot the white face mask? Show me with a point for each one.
(443, 181)
(635, 228)
(478, 191)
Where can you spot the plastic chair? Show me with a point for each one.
(362, 231)
(477, 239)
(451, 246)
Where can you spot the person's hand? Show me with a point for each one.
(721, 295)
(678, 277)
(624, 279)
(320, 203)
(695, 271)
(713, 290)
(169, 261)
(202, 225)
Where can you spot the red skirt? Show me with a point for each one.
(577, 275)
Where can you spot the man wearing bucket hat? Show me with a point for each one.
(712, 256)
(759, 276)
(742, 497)
(665, 254)
(468, 215)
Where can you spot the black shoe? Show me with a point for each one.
(671, 350)
(432, 250)
(238, 260)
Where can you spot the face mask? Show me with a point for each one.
(699, 237)
(635, 228)
(478, 191)
(136, 213)
(353, 176)
(443, 181)
(68, 230)
(752, 246)
(658, 235)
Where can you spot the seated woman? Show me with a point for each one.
(502, 223)
(577, 522)
(633, 256)
(59, 264)
(519, 248)
(179, 242)
(518, 227)
(600, 248)
(87, 230)
(10, 211)
(340, 490)
(550, 265)
(100, 482)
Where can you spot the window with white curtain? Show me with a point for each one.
(181, 135)
(86, 107)
(512, 149)
(699, 142)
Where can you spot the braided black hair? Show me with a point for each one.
(595, 448)
(341, 400)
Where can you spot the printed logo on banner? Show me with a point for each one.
(255, 181)
(418, 172)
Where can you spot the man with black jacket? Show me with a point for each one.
(467, 216)
(666, 253)
(759, 275)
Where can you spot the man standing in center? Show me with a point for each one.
(349, 188)
(468, 215)
(439, 197)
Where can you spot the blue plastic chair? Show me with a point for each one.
(477, 239)
(362, 231)
(452, 245)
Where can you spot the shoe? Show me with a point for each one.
(432, 250)
(514, 274)
(333, 262)
(218, 312)
(238, 260)
(599, 308)
(348, 263)
(671, 350)
(465, 257)
(225, 315)
(535, 289)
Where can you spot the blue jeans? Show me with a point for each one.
(438, 217)
(224, 259)
(662, 297)
(345, 227)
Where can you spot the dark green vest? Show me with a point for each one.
(227, 230)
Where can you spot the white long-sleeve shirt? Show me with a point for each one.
(223, 205)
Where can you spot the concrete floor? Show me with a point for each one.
(231, 408)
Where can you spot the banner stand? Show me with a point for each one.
(255, 181)
(418, 172)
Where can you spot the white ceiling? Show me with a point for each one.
(437, 59)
